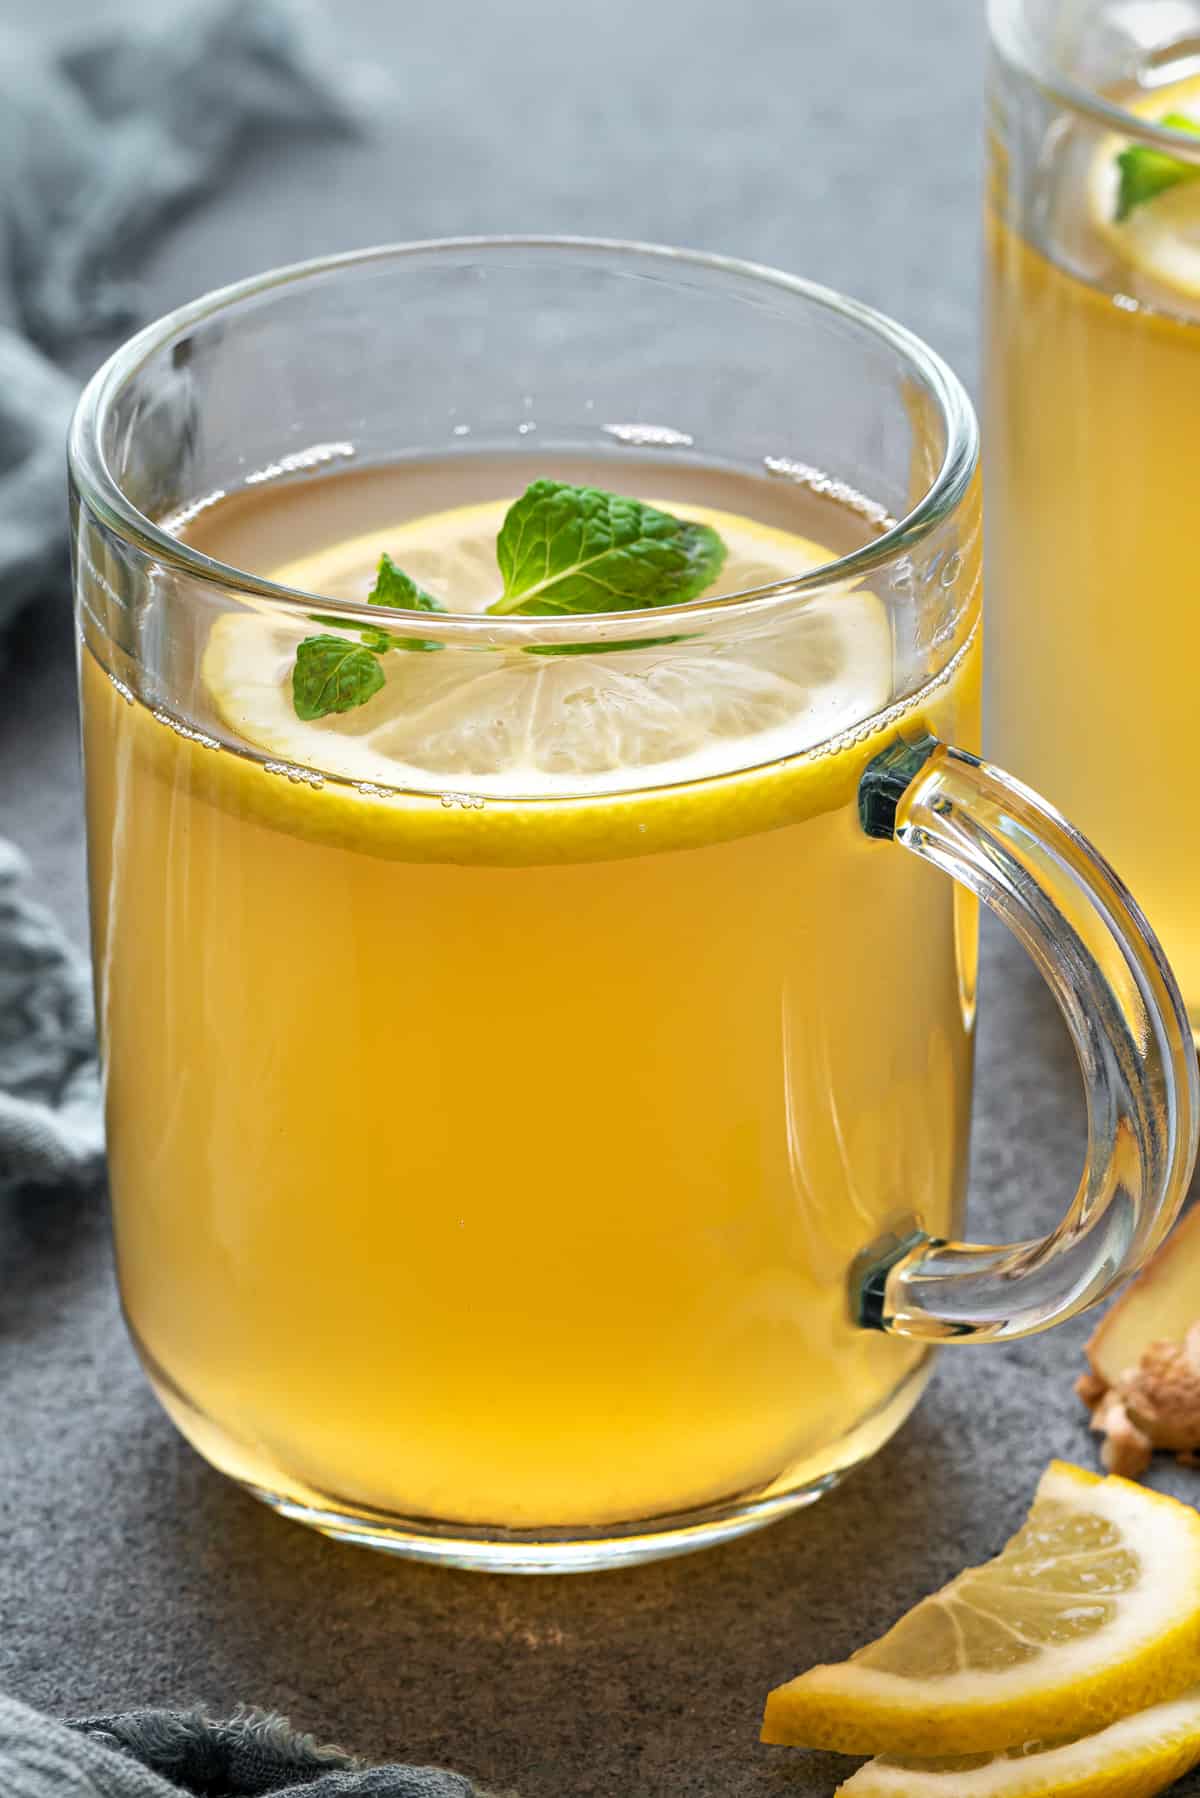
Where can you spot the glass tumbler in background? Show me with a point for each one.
(1092, 397)
(538, 1097)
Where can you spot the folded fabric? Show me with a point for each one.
(50, 1127)
(164, 1754)
(101, 146)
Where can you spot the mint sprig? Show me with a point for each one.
(561, 550)
(1147, 172)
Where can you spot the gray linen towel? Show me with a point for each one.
(100, 147)
(164, 1754)
(50, 1129)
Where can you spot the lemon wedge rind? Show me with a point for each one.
(1135, 1757)
(1091, 1612)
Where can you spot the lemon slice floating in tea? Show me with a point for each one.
(1091, 1612)
(1160, 236)
(1133, 1758)
(504, 722)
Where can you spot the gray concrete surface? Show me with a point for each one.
(840, 141)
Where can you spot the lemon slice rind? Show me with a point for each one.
(1134, 1757)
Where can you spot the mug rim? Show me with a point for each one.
(103, 495)
(1012, 39)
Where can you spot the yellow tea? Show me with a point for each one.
(1093, 391)
(499, 1153)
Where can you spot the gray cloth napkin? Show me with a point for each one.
(101, 146)
(163, 1754)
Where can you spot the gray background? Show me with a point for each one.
(838, 140)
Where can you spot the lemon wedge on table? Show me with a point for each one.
(504, 723)
(1091, 1612)
(1161, 237)
(1133, 1758)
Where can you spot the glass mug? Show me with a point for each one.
(1093, 388)
(555, 1156)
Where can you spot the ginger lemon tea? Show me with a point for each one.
(1093, 389)
(537, 1085)
(501, 1163)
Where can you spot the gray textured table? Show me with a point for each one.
(838, 141)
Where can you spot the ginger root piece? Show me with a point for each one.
(1143, 1386)
(1162, 1393)
(1126, 1450)
(1091, 1388)
(1160, 1305)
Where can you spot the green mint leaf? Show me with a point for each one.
(395, 588)
(567, 549)
(1146, 172)
(332, 674)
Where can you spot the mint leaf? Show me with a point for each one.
(1146, 172)
(332, 674)
(567, 549)
(395, 588)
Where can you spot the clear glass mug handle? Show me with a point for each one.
(1130, 1030)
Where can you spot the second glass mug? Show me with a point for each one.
(1093, 382)
(557, 1162)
